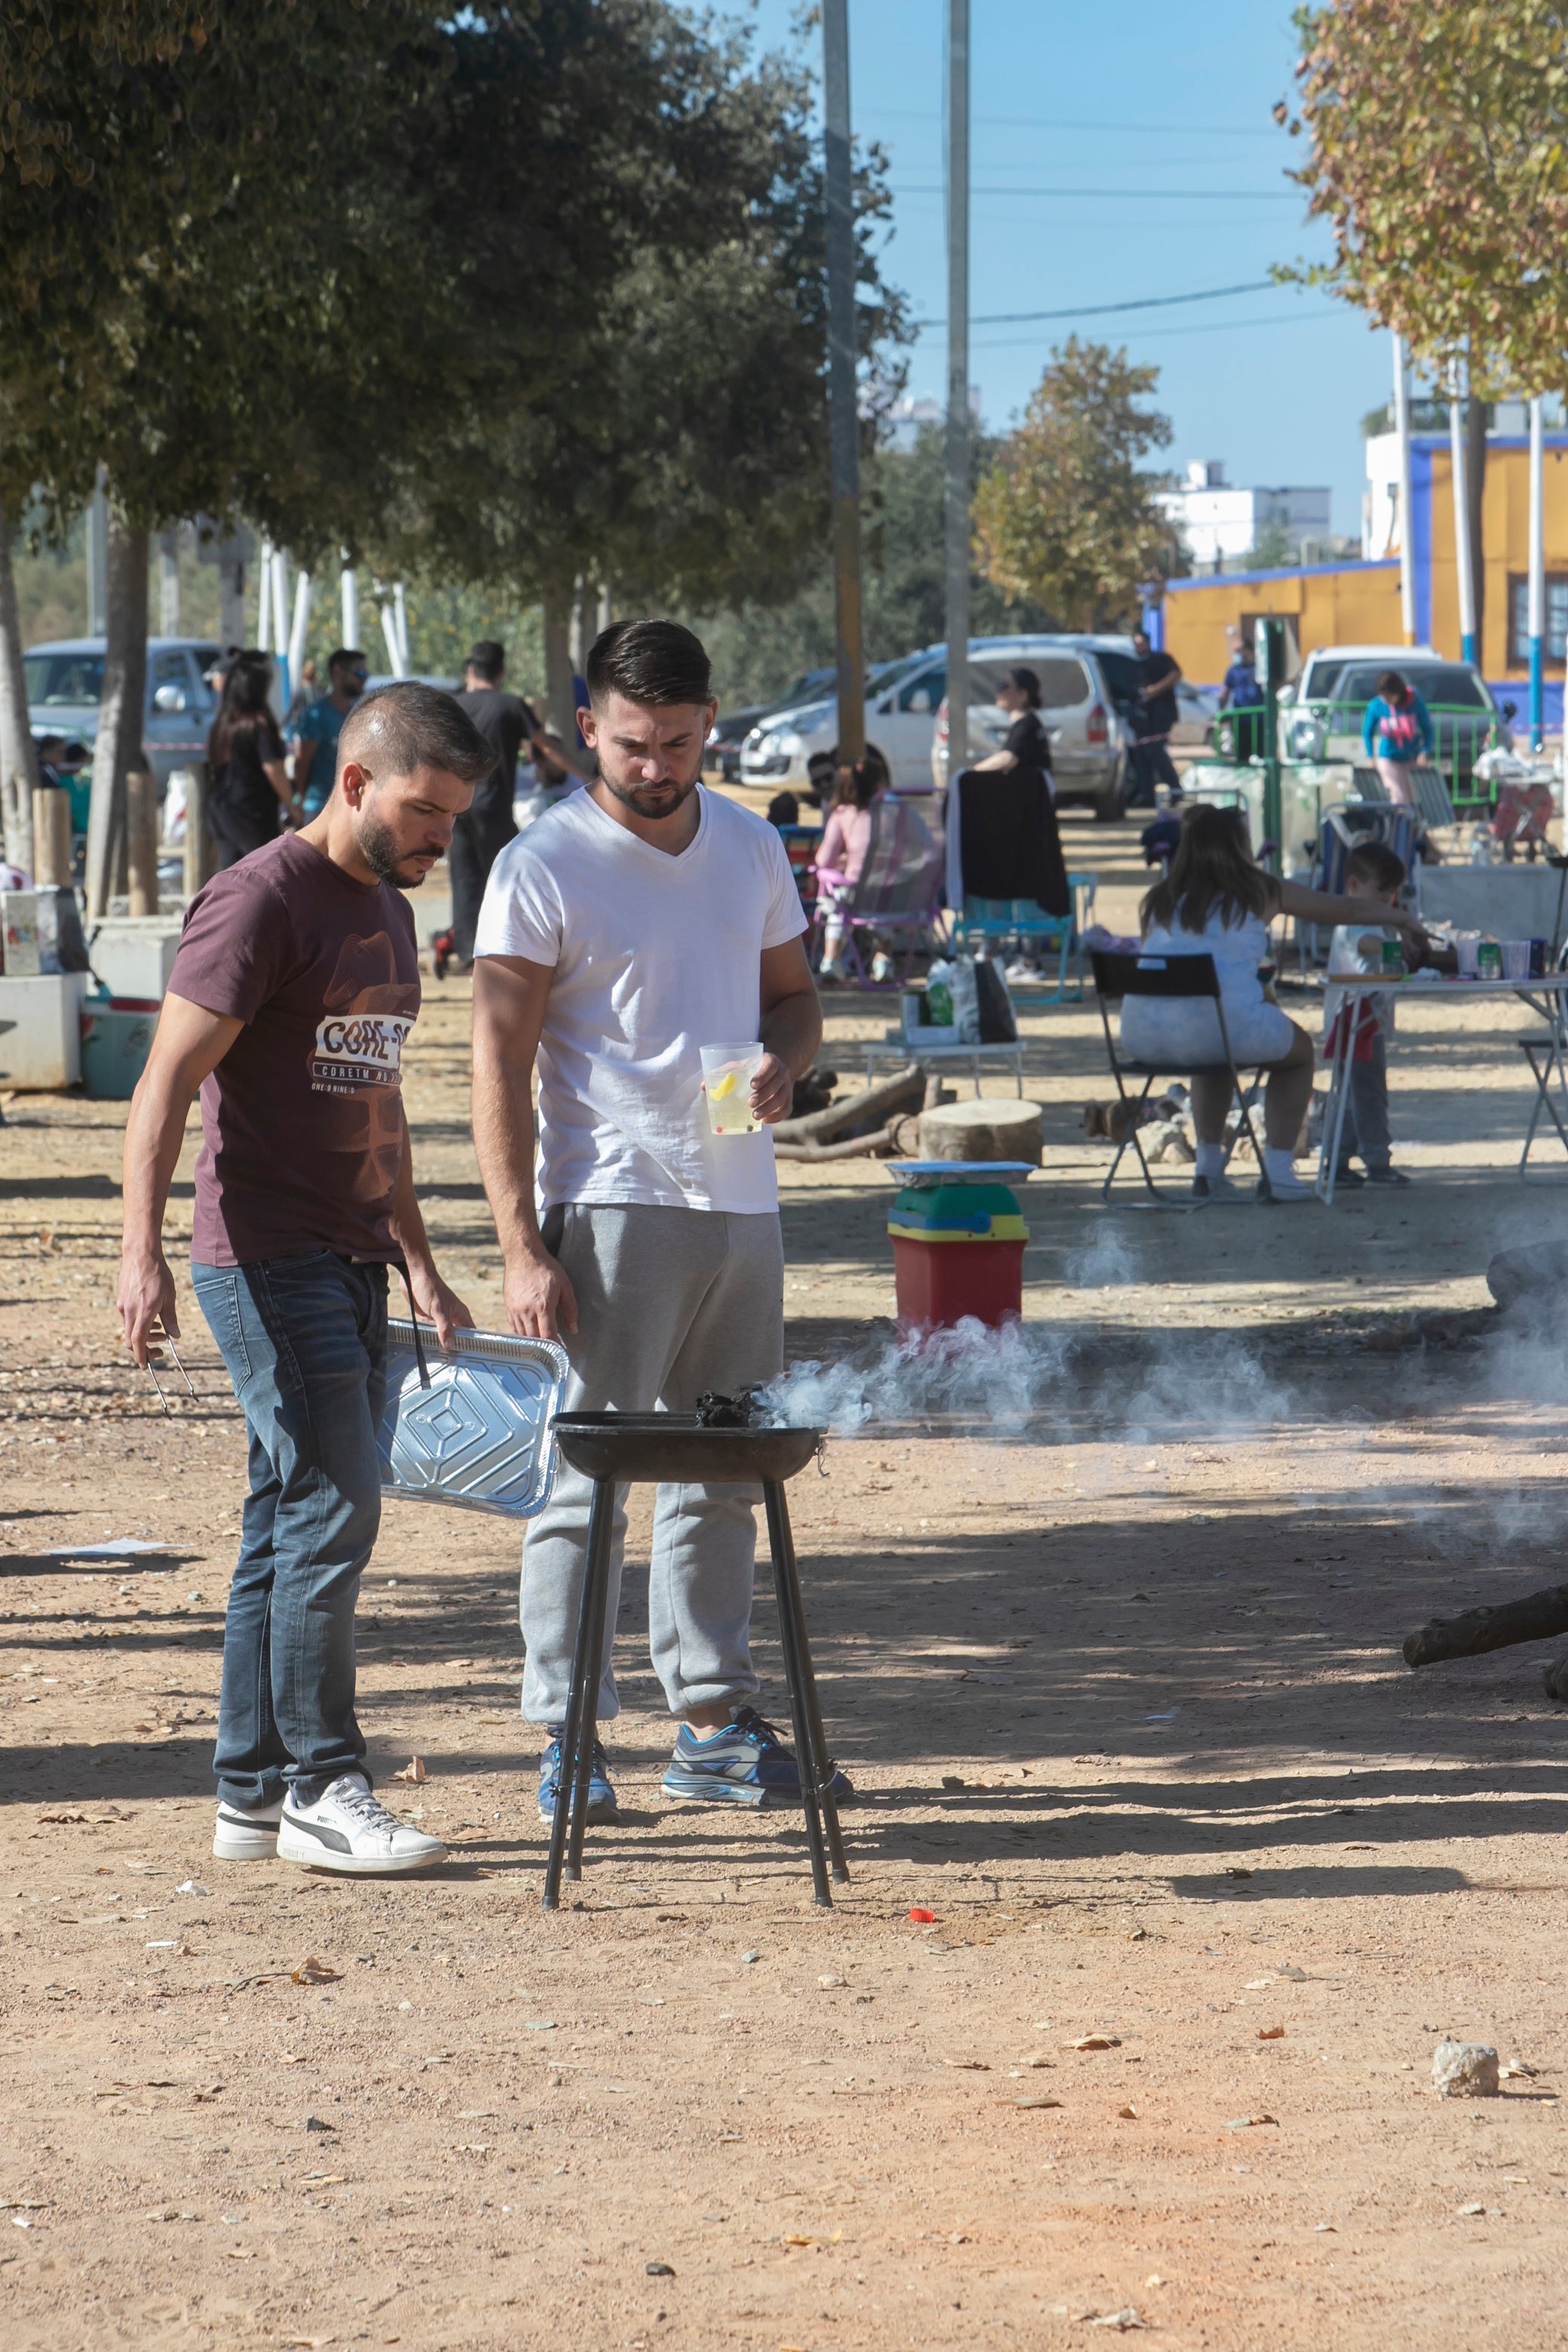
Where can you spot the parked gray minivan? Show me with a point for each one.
(65, 681)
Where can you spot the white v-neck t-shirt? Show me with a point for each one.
(655, 957)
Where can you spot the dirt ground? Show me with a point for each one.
(1107, 1634)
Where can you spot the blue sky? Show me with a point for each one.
(1160, 117)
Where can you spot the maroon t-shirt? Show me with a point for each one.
(302, 1119)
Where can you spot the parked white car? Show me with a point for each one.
(1321, 714)
(901, 717)
(1077, 709)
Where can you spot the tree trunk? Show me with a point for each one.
(1475, 490)
(120, 709)
(559, 692)
(18, 758)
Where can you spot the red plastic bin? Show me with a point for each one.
(941, 1282)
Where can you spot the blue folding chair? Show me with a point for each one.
(998, 921)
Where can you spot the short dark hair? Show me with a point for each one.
(1375, 862)
(1394, 688)
(400, 728)
(654, 662)
(489, 658)
(341, 654)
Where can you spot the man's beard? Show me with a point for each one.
(378, 847)
(654, 800)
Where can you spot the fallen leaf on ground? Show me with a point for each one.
(414, 1772)
(1271, 2033)
(1124, 2319)
(62, 1816)
(313, 1972)
(1128, 2114)
(1095, 2042)
(1472, 2208)
(1036, 2103)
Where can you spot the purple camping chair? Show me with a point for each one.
(898, 897)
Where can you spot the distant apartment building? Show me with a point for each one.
(1221, 525)
(912, 413)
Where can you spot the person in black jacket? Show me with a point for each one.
(1010, 846)
(249, 789)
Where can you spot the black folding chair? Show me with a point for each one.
(1117, 977)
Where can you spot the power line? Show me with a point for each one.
(1045, 122)
(1100, 309)
(1141, 196)
(1207, 327)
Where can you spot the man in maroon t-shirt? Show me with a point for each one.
(294, 988)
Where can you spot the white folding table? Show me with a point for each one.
(1544, 994)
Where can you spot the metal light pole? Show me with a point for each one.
(957, 471)
(1537, 583)
(1407, 508)
(1466, 583)
(843, 424)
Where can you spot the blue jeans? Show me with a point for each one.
(305, 1339)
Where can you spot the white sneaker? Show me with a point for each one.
(348, 1829)
(245, 1833)
(1286, 1188)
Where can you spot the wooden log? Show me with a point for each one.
(52, 837)
(853, 1147)
(902, 1091)
(200, 863)
(991, 1128)
(1539, 1617)
(142, 805)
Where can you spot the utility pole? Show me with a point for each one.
(1406, 515)
(1466, 582)
(956, 491)
(843, 422)
(1537, 582)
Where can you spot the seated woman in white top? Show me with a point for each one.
(1215, 902)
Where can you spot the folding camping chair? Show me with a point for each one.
(1117, 977)
(897, 896)
(996, 921)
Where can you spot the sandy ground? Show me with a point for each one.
(1108, 1632)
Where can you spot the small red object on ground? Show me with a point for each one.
(928, 1918)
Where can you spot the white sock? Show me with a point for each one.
(1210, 1160)
(1279, 1166)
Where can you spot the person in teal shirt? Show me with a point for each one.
(316, 734)
(1397, 733)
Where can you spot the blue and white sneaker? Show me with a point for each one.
(747, 1764)
(602, 1804)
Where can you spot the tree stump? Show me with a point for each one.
(991, 1128)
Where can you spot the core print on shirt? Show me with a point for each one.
(367, 1012)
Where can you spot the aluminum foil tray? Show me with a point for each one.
(480, 1436)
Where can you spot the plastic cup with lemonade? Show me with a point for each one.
(727, 1075)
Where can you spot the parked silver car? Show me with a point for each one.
(1078, 708)
(65, 682)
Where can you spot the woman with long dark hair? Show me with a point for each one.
(248, 785)
(1397, 733)
(1027, 744)
(1215, 902)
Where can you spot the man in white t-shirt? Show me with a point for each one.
(636, 922)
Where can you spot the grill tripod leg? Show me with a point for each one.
(577, 1738)
(816, 1769)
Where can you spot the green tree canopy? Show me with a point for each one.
(1438, 132)
(1066, 516)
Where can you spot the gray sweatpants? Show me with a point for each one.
(669, 1302)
